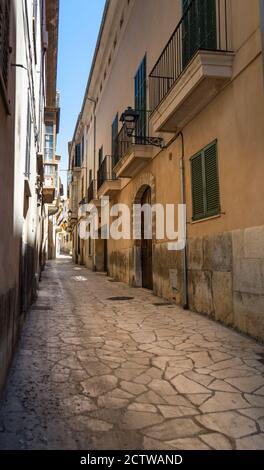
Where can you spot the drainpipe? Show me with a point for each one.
(183, 201)
(261, 7)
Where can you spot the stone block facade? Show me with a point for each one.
(226, 278)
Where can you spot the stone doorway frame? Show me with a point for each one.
(145, 181)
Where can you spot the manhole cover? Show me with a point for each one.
(41, 307)
(120, 298)
(162, 304)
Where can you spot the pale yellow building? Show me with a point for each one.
(28, 62)
(193, 70)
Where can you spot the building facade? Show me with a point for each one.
(192, 71)
(25, 81)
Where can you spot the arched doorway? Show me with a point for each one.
(146, 244)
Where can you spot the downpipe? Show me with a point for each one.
(185, 303)
(183, 201)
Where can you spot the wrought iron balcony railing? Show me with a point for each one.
(105, 172)
(203, 26)
(92, 191)
(140, 137)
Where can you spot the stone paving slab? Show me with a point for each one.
(93, 373)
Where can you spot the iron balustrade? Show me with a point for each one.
(92, 191)
(105, 172)
(203, 26)
(140, 136)
(123, 144)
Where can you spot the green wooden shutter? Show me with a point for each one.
(114, 140)
(207, 24)
(199, 27)
(198, 195)
(141, 99)
(78, 155)
(100, 156)
(205, 183)
(211, 181)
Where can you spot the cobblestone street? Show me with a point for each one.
(94, 372)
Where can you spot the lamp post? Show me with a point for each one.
(129, 119)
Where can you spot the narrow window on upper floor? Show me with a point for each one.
(90, 176)
(199, 27)
(82, 149)
(205, 183)
(4, 44)
(100, 156)
(49, 142)
(114, 140)
(48, 170)
(140, 81)
(78, 155)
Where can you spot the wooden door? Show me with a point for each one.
(146, 247)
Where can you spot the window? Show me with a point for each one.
(100, 156)
(4, 42)
(205, 183)
(82, 146)
(78, 155)
(199, 27)
(90, 176)
(48, 170)
(140, 98)
(28, 141)
(114, 139)
(49, 142)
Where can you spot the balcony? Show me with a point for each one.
(108, 184)
(133, 152)
(193, 67)
(48, 195)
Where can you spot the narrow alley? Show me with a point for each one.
(102, 365)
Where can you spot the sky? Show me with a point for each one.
(78, 30)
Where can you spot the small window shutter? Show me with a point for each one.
(211, 181)
(198, 195)
(4, 39)
(141, 98)
(78, 155)
(100, 154)
(114, 139)
(207, 21)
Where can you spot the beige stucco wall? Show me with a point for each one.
(235, 117)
